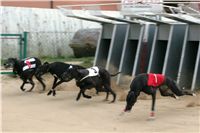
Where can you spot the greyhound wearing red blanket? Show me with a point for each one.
(149, 84)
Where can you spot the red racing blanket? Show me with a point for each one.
(155, 80)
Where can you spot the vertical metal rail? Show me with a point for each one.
(25, 36)
(168, 48)
(197, 68)
(153, 49)
(183, 54)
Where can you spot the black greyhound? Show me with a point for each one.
(149, 83)
(56, 69)
(26, 69)
(101, 81)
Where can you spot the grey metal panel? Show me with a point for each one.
(98, 49)
(152, 50)
(183, 54)
(130, 49)
(102, 52)
(158, 52)
(152, 34)
(134, 33)
(188, 65)
(115, 51)
(180, 18)
(107, 31)
(163, 32)
(124, 59)
(194, 33)
(173, 54)
(196, 76)
(148, 19)
(103, 47)
(120, 19)
(136, 64)
(145, 51)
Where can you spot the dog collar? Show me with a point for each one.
(84, 78)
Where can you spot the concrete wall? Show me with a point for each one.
(49, 31)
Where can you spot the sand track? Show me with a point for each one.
(37, 112)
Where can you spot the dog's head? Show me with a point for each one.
(130, 101)
(41, 70)
(10, 62)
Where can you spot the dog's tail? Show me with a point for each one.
(112, 75)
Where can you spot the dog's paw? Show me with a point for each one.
(151, 118)
(89, 97)
(105, 100)
(29, 90)
(122, 113)
(54, 93)
(112, 102)
(49, 93)
(22, 89)
(176, 97)
(193, 94)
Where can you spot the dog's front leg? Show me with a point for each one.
(32, 83)
(22, 86)
(40, 80)
(58, 83)
(79, 95)
(152, 114)
(86, 96)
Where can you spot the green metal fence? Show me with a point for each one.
(22, 42)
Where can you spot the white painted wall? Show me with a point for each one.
(50, 31)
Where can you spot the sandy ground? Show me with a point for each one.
(37, 112)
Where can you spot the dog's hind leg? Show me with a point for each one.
(82, 91)
(167, 93)
(175, 89)
(40, 80)
(107, 95)
(84, 95)
(107, 87)
(54, 82)
(32, 83)
(22, 86)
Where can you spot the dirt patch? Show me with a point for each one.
(194, 103)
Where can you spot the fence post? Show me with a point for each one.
(25, 44)
(20, 46)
